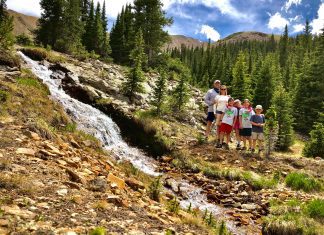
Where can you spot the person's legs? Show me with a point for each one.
(238, 137)
(208, 128)
(221, 136)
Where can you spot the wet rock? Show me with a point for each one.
(98, 184)
(26, 151)
(134, 184)
(114, 180)
(173, 184)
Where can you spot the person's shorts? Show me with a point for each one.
(210, 117)
(257, 136)
(246, 132)
(218, 117)
(225, 128)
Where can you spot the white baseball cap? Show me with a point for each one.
(217, 81)
(258, 107)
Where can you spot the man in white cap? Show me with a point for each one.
(210, 101)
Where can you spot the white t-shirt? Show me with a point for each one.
(229, 114)
(246, 116)
(221, 102)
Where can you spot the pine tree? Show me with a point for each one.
(282, 105)
(283, 48)
(72, 28)
(241, 81)
(151, 18)
(6, 27)
(105, 50)
(98, 35)
(310, 90)
(136, 74)
(315, 147)
(50, 23)
(85, 9)
(88, 36)
(307, 37)
(180, 94)
(267, 77)
(159, 91)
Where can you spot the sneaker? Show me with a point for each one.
(252, 150)
(226, 146)
(238, 147)
(218, 146)
(260, 151)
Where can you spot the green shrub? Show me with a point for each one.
(315, 147)
(301, 181)
(315, 209)
(155, 189)
(24, 40)
(4, 95)
(98, 231)
(71, 127)
(174, 205)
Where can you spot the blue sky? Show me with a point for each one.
(216, 19)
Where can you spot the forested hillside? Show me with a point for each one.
(106, 131)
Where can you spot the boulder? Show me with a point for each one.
(134, 184)
(120, 183)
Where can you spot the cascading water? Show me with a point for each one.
(92, 121)
(98, 124)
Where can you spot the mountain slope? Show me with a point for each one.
(23, 23)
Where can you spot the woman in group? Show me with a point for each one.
(220, 105)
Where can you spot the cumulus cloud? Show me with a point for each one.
(276, 21)
(289, 3)
(318, 24)
(210, 32)
(224, 6)
(298, 28)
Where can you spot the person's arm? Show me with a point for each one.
(240, 119)
(208, 99)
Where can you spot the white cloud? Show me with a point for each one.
(224, 6)
(298, 28)
(296, 18)
(289, 3)
(276, 21)
(33, 8)
(318, 24)
(210, 32)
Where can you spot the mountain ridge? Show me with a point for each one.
(26, 24)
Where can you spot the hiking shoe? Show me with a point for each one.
(226, 146)
(218, 146)
(252, 150)
(238, 147)
(260, 151)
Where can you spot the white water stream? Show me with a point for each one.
(98, 124)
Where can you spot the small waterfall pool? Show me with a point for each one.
(98, 124)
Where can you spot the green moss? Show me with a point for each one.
(98, 231)
(301, 181)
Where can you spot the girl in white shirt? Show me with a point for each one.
(219, 107)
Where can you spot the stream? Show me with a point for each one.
(96, 123)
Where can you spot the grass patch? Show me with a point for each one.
(4, 96)
(184, 162)
(293, 217)
(98, 231)
(301, 181)
(19, 183)
(33, 82)
(315, 209)
(39, 54)
(8, 59)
